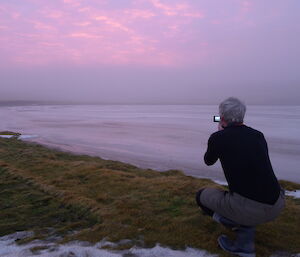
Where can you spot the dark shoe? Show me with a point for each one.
(230, 246)
(225, 222)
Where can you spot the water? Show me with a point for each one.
(159, 137)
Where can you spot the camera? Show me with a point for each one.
(217, 118)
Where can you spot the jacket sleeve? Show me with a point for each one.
(211, 155)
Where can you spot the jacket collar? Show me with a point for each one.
(233, 124)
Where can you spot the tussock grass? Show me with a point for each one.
(25, 207)
(120, 201)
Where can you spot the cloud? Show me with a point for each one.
(107, 34)
(84, 35)
(75, 3)
(243, 15)
(84, 9)
(13, 14)
(53, 14)
(2, 27)
(144, 32)
(246, 6)
(51, 44)
(179, 9)
(83, 23)
(42, 26)
(139, 13)
(112, 23)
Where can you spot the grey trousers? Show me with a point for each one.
(239, 209)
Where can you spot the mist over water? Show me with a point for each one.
(159, 137)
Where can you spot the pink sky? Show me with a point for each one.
(175, 34)
(143, 32)
(102, 32)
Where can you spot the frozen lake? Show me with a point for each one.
(160, 137)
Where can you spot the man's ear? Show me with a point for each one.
(222, 121)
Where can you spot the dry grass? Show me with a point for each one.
(121, 201)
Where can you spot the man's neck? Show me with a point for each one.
(233, 124)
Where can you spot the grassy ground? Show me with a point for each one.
(25, 207)
(101, 198)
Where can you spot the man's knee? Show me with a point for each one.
(198, 194)
(205, 210)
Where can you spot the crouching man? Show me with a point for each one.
(254, 195)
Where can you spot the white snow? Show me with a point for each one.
(27, 136)
(8, 248)
(295, 194)
(20, 137)
(220, 182)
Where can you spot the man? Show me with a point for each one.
(254, 195)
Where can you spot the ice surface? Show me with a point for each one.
(160, 137)
(295, 194)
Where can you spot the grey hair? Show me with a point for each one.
(233, 110)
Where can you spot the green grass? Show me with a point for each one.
(114, 200)
(26, 207)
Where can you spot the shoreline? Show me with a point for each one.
(77, 151)
(293, 193)
(67, 148)
(113, 156)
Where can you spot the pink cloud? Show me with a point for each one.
(180, 9)
(84, 9)
(84, 35)
(243, 15)
(75, 3)
(216, 22)
(51, 44)
(83, 24)
(53, 14)
(139, 13)
(112, 23)
(3, 27)
(79, 31)
(246, 6)
(42, 26)
(10, 12)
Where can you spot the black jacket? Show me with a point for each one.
(243, 153)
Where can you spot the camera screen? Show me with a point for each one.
(217, 118)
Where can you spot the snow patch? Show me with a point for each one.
(220, 182)
(6, 136)
(295, 194)
(9, 248)
(19, 137)
(27, 136)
